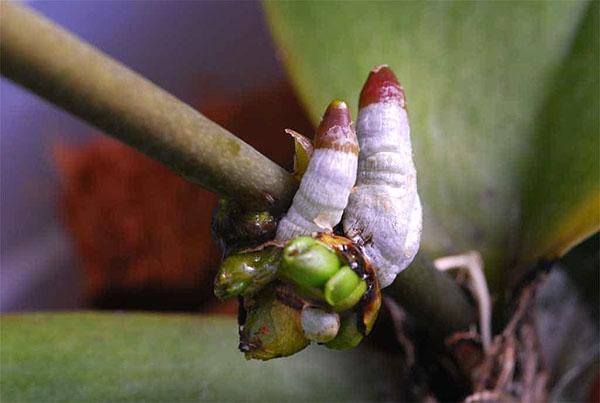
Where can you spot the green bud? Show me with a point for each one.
(344, 289)
(272, 328)
(308, 263)
(348, 336)
(256, 226)
(246, 273)
(235, 228)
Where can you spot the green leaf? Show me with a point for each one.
(477, 76)
(562, 193)
(135, 357)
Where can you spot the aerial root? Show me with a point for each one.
(472, 263)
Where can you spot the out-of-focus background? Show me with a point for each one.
(501, 101)
(89, 223)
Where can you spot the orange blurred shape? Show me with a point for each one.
(135, 224)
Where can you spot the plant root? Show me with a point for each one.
(473, 264)
(513, 369)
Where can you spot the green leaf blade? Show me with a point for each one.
(142, 357)
(561, 194)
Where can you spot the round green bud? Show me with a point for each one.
(344, 289)
(308, 263)
(319, 325)
(235, 228)
(246, 273)
(272, 328)
(256, 226)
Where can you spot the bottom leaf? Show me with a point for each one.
(116, 357)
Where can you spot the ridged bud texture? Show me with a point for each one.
(323, 193)
(384, 209)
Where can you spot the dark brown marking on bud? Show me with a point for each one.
(251, 345)
(242, 314)
(335, 131)
(286, 294)
(382, 86)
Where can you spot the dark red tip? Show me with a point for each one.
(337, 114)
(335, 130)
(381, 86)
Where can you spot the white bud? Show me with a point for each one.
(384, 209)
(323, 194)
(319, 325)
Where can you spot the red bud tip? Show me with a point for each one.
(337, 114)
(381, 86)
(335, 131)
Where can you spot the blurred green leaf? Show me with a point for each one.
(127, 357)
(562, 192)
(477, 77)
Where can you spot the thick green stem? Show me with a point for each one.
(61, 68)
(72, 74)
(433, 297)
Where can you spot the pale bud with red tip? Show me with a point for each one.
(323, 194)
(384, 208)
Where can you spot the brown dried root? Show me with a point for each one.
(513, 369)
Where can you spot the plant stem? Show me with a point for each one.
(433, 297)
(70, 73)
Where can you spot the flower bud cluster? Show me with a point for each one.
(305, 285)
